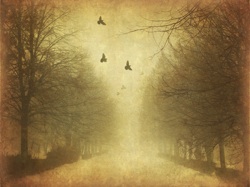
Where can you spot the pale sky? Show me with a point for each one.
(138, 48)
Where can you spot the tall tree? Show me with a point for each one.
(210, 70)
(48, 80)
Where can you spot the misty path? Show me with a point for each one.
(149, 74)
(119, 169)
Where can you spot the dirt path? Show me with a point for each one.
(119, 170)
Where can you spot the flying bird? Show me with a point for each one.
(128, 67)
(100, 21)
(103, 59)
(123, 87)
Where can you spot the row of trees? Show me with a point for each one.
(200, 90)
(50, 96)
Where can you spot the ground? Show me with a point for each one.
(120, 169)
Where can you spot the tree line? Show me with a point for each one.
(50, 95)
(200, 87)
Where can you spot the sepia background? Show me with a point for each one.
(180, 117)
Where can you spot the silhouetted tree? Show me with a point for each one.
(207, 79)
(50, 89)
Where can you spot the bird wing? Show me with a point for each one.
(127, 63)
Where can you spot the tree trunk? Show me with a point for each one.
(24, 99)
(222, 154)
(176, 149)
(185, 150)
(209, 154)
(197, 152)
(170, 149)
(24, 137)
(190, 150)
(68, 137)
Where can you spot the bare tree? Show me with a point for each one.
(207, 78)
(49, 85)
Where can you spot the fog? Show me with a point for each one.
(125, 93)
(125, 87)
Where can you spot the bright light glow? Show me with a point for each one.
(137, 48)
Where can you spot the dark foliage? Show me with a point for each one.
(62, 155)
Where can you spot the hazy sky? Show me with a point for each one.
(137, 48)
